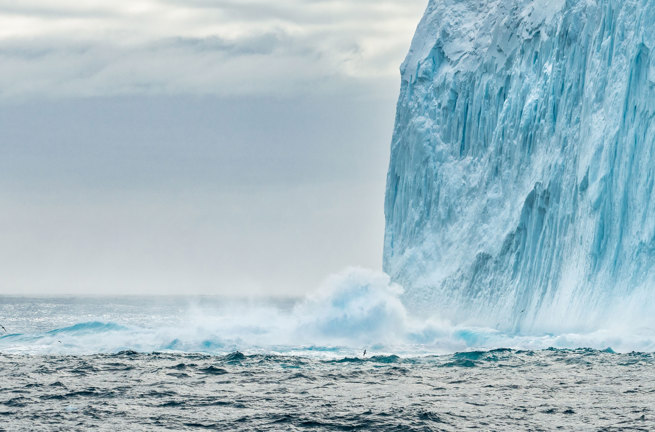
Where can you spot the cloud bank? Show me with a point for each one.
(219, 47)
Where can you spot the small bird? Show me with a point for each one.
(364, 352)
(3, 328)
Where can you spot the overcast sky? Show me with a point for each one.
(194, 146)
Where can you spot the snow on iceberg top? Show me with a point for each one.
(464, 31)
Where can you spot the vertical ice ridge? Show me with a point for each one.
(520, 188)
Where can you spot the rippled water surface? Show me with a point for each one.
(494, 390)
(176, 364)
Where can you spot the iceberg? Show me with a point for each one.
(520, 193)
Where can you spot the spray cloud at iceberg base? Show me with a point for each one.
(354, 310)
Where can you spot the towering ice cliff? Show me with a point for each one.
(521, 187)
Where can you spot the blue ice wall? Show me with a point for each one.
(520, 189)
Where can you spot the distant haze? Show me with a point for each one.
(196, 146)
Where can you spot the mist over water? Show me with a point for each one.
(354, 310)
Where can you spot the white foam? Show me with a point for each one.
(352, 310)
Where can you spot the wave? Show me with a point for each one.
(355, 310)
(88, 328)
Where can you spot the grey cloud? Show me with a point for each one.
(272, 63)
(264, 44)
(324, 12)
(49, 11)
(224, 48)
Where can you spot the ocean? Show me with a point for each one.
(494, 390)
(131, 363)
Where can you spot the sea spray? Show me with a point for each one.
(354, 310)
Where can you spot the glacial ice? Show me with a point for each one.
(520, 189)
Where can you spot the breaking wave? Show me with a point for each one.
(355, 310)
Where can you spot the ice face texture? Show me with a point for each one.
(520, 190)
